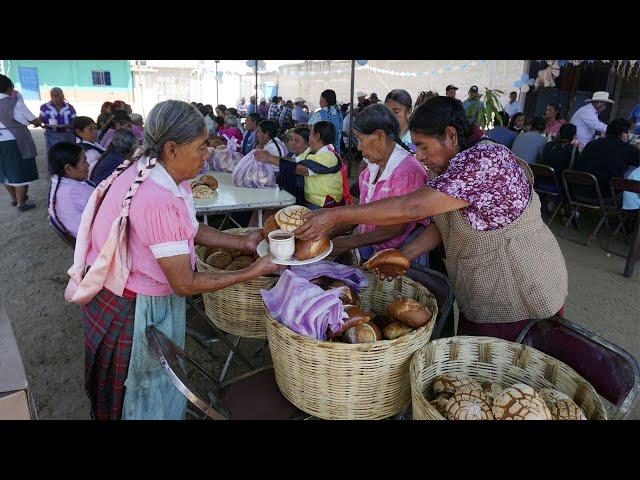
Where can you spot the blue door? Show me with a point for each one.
(29, 83)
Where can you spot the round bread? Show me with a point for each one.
(455, 382)
(196, 183)
(395, 330)
(210, 181)
(383, 320)
(220, 260)
(240, 263)
(440, 403)
(348, 295)
(491, 391)
(409, 312)
(306, 249)
(363, 333)
(566, 409)
(290, 218)
(269, 226)
(217, 141)
(202, 192)
(468, 406)
(520, 402)
(551, 395)
(220, 148)
(389, 262)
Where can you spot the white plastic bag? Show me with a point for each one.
(251, 173)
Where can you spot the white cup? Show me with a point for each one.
(282, 248)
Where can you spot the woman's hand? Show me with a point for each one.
(264, 156)
(316, 224)
(250, 241)
(265, 266)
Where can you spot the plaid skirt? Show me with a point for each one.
(108, 322)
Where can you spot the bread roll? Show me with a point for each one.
(306, 249)
(269, 226)
(348, 295)
(240, 263)
(290, 218)
(395, 330)
(202, 191)
(210, 181)
(220, 260)
(363, 333)
(409, 312)
(383, 320)
(389, 262)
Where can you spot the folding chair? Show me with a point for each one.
(587, 196)
(66, 238)
(547, 184)
(252, 396)
(612, 371)
(618, 186)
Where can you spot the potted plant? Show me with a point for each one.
(485, 107)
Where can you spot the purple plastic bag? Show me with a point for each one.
(354, 277)
(304, 307)
(254, 174)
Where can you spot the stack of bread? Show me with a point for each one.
(290, 218)
(461, 397)
(204, 187)
(227, 259)
(403, 315)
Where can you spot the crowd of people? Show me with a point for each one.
(430, 181)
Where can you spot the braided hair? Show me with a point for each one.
(332, 104)
(436, 114)
(60, 155)
(379, 117)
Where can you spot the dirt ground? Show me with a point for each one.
(49, 332)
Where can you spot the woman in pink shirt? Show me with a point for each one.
(391, 171)
(69, 192)
(153, 195)
(554, 122)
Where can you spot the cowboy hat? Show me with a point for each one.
(299, 100)
(361, 95)
(600, 97)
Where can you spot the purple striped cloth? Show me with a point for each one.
(352, 276)
(304, 307)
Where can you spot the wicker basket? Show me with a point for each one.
(338, 381)
(495, 360)
(236, 309)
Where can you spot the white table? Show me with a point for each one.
(229, 198)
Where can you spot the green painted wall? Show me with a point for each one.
(72, 73)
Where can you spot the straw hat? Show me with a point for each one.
(600, 97)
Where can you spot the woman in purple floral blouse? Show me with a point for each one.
(505, 264)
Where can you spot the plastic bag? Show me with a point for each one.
(251, 173)
(224, 160)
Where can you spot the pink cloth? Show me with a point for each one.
(405, 175)
(157, 217)
(138, 132)
(71, 198)
(232, 132)
(554, 127)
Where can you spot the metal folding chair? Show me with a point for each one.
(252, 396)
(612, 371)
(618, 186)
(547, 184)
(583, 192)
(66, 238)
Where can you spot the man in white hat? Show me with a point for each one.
(362, 100)
(586, 118)
(299, 115)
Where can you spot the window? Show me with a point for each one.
(101, 78)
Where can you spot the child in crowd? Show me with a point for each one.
(69, 191)
(86, 132)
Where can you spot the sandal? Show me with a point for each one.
(26, 206)
(13, 204)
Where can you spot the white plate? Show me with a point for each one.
(263, 249)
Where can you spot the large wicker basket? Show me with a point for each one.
(338, 381)
(236, 309)
(495, 360)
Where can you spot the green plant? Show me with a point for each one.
(485, 107)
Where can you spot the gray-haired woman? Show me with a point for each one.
(151, 193)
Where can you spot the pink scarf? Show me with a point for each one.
(111, 267)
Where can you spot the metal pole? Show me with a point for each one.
(353, 79)
(256, 83)
(217, 99)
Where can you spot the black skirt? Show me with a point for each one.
(14, 168)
